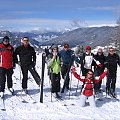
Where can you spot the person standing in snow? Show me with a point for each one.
(27, 57)
(99, 68)
(65, 55)
(55, 66)
(88, 86)
(79, 51)
(112, 61)
(6, 65)
(87, 60)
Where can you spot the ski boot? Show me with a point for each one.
(11, 90)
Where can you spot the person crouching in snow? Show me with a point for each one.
(88, 86)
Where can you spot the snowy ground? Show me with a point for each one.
(68, 109)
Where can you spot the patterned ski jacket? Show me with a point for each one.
(6, 56)
(87, 60)
(88, 88)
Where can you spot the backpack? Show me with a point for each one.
(84, 85)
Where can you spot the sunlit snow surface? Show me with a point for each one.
(69, 109)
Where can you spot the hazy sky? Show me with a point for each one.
(40, 14)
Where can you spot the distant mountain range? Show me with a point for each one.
(93, 36)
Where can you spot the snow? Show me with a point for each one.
(56, 110)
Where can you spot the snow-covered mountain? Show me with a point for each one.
(93, 36)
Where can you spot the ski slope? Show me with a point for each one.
(51, 109)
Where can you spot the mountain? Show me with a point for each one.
(86, 36)
(93, 36)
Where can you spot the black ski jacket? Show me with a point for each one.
(27, 55)
(112, 61)
(101, 58)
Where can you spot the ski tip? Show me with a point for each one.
(73, 104)
(64, 105)
(24, 101)
(3, 109)
(34, 102)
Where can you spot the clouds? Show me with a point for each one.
(28, 14)
(34, 23)
(46, 24)
(103, 8)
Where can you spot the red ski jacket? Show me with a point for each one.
(88, 83)
(6, 56)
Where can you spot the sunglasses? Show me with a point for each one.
(90, 73)
(66, 47)
(55, 49)
(100, 52)
(5, 41)
(111, 50)
(26, 40)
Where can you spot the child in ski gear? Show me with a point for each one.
(55, 67)
(112, 61)
(6, 65)
(99, 68)
(88, 86)
(87, 60)
(27, 57)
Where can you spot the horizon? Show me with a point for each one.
(43, 30)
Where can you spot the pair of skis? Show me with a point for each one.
(23, 99)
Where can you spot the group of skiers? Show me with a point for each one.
(59, 63)
(24, 55)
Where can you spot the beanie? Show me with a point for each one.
(54, 46)
(88, 48)
(6, 39)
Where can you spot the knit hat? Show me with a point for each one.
(54, 46)
(88, 48)
(6, 39)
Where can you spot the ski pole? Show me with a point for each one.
(42, 77)
(78, 81)
(70, 85)
(51, 88)
(51, 96)
(77, 87)
(70, 80)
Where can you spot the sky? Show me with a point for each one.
(51, 14)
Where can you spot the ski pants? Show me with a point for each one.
(84, 71)
(111, 82)
(32, 70)
(64, 70)
(5, 74)
(97, 73)
(91, 100)
(55, 82)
